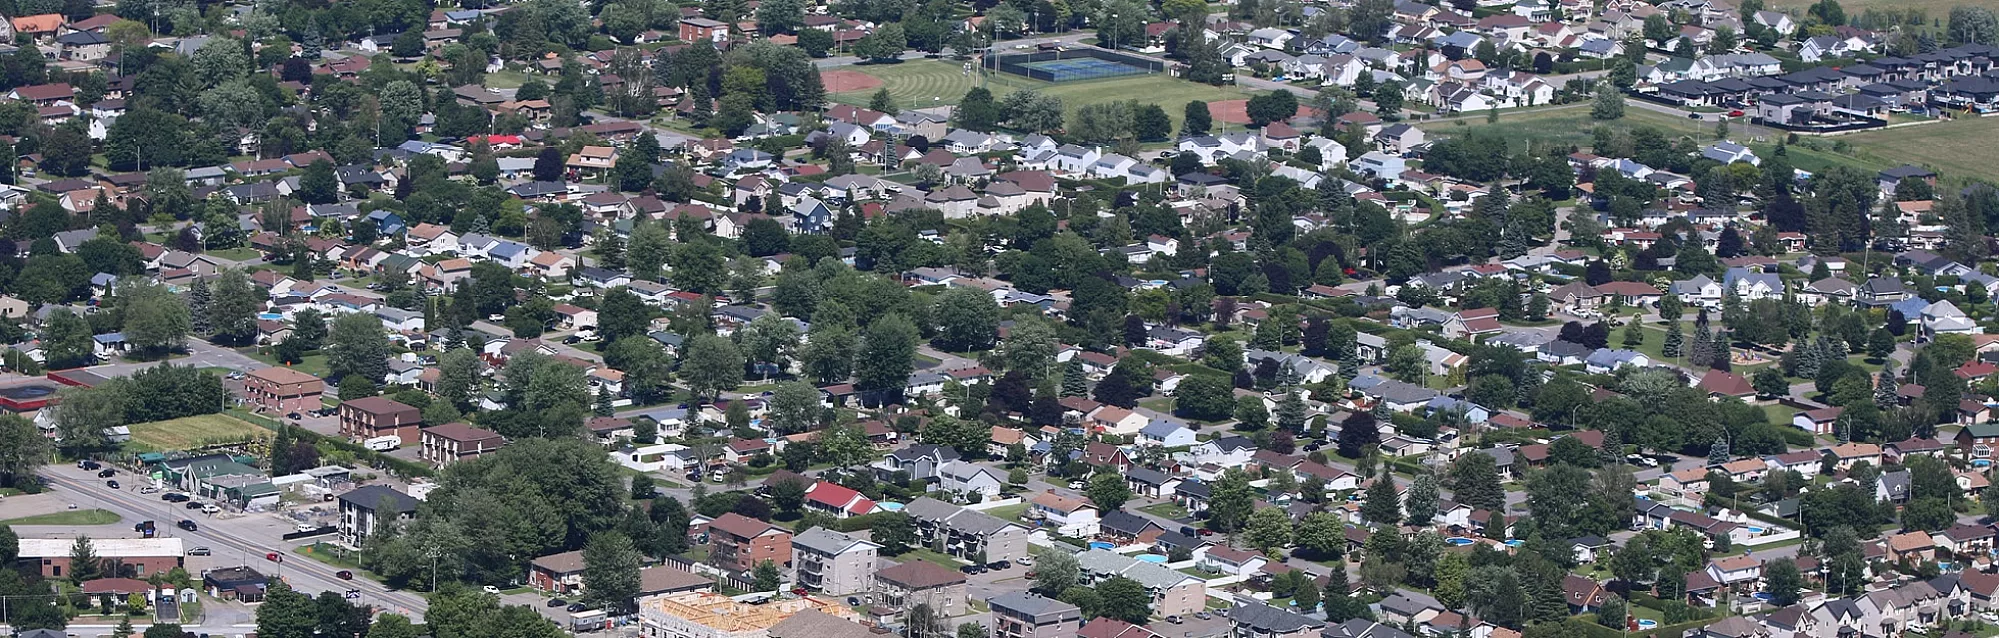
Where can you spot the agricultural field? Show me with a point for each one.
(194, 432)
(1567, 125)
(1958, 148)
(925, 83)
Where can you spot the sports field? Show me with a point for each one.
(194, 432)
(924, 83)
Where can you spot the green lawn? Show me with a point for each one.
(194, 432)
(237, 254)
(1166, 510)
(1569, 125)
(71, 517)
(931, 556)
(314, 364)
(1008, 512)
(1958, 148)
(925, 83)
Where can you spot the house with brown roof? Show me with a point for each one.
(1726, 385)
(370, 417)
(1582, 593)
(283, 389)
(453, 442)
(920, 582)
(740, 543)
(40, 26)
(1915, 546)
(557, 573)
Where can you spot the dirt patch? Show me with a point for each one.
(1237, 111)
(842, 81)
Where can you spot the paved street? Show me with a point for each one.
(235, 539)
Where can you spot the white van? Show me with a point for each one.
(384, 443)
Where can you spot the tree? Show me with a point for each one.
(285, 613)
(1230, 501)
(887, 356)
(967, 320)
(84, 564)
(1108, 491)
(319, 185)
(1358, 433)
(1474, 481)
(1388, 100)
(611, 570)
(232, 311)
(1123, 599)
(767, 577)
(1421, 500)
(1274, 106)
(711, 364)
(1268, 530)
(356, 345)
(1323, 534)
(1204, 396)
(1196, 120)
(1608, 104)
(156, 320)
(1056, 572)
(1382, 505)
(1972, 25)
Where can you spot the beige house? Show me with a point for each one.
(833, 562)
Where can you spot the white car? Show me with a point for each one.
(490, 589)
(1024, 561)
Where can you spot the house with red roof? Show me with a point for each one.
(1720, 385)
(837, 500)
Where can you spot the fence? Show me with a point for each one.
(1077, 64)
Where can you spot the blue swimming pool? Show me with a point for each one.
(270, 316)
(1647, 623)
(1459, 541)
(890, 506)
(1101, 545)
(1151, 558)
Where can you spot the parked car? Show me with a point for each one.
(490, 589)
(557, 602)
(1174, 619)
(576, 607)
(199, 551)
(193, 505)
(107, 473)
(89, 465)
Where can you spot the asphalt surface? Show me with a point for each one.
(246, 537)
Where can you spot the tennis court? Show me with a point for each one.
(1081, 69)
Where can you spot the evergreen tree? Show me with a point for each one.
(1885, 388)
(198, 299)
(1075, 382)
(1674, 340)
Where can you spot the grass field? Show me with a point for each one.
(1958, 148)
(1565, 126)
(925, 83)
(71, 517)
(194, 431)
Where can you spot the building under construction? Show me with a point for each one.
(711, 615)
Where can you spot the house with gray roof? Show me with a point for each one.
(1020, 614)
(1252, 619)
(966, 533)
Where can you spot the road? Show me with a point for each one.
(247, 538)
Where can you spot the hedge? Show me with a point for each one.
(378, 460)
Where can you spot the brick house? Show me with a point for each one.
(370, 417)
(283, 389)
(558, 573)
(740, 543)
(453, 442)
(144, 556)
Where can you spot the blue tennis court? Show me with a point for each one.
(1081, 68)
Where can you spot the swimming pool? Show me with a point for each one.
(1151, 558)
(890, 506)
(1459, 541)
(1647, 623)
(270, 316)
(1516, 543)
(1101, 545)
(1981, 462)
(1754, 530)
(1763, 596)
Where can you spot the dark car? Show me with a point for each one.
(142, 526)
(576, 607)
(557, 602)
(111, 484)
(107, 473)
(90, 465)
(1000, 564)
(187, 525)
(344, 575)
(193, 505)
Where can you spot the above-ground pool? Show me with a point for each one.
(1459, 541)
(890, 507)
(1515, 543)
(1981, 462)
(1151, 558)
(1101, 545)
(1647, 623)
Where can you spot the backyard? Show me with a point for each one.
(925, 83)
(194, 432)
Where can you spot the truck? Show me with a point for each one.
(383, 443)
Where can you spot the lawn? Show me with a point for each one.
(237, 254)
(194, 432)
(1566, 126)
(931, 556)
(1958, 148)
(1166, 510)
(71, 517)
(1008, 512)
(314, 363)
(925, 83)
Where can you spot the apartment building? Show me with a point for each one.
(740, 543)
(1020, 614)
(832, 562)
